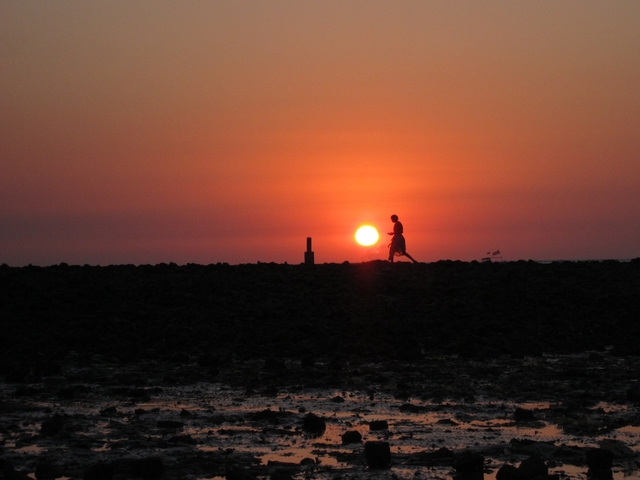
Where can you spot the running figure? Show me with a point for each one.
(398, 245)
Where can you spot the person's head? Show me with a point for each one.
(394, 218)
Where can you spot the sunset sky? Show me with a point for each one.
(230, 131)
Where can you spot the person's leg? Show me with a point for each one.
(392, 249)
(412, 259)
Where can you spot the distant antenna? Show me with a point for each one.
(308, 255)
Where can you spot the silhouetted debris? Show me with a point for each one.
(633, 393)
(523, 414)
(469, 464)
(599, 458)
(377, 425)
(98, 471)
(533, 467)
(8, 472)
(46, 469)
(352, 436)
(147, 468)
(106, 341)
(53, 426)
(313, 424)
(378, 454)
(510, 472)
(238, 473)
(183, 439)
(277, 475)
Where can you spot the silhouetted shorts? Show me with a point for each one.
(398, 246)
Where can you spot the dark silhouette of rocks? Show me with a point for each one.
(352, 436)
(378, 454)
(510, 472)
(523, 414)
(238, 473)
(46, 469)
(378, 425)
(98, 471)
(633, 393)
(469, 465)
(533, 467)
(204, 314)
(421, 334)
(53, 426)
(600, 462)
(8, 471)
(147, 468)
(599, 458)
(313, 424)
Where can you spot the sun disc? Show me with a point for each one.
(367, 235)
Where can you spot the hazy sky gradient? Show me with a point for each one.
(210, 131)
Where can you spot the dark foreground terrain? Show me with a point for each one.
(368, 311)
(506, 370)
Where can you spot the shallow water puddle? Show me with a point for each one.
(211, 425)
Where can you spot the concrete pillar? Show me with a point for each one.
(308, 255)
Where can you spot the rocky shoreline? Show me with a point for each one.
(372, 310)
(212, 371)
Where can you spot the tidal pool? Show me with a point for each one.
(199, 428)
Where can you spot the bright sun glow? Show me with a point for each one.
(367, 235)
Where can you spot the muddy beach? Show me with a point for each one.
(327, 371)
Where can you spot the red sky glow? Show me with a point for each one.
(204, 132)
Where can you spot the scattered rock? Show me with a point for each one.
(378, 454)
(183, 439)
(378, 425)
(170, 424)
(280, 476)
(533, 467)
(633, 393)
(618, 448)
(469, 463)
(109, 412)
(313, 424)
(523, 414)
(147, 468)
(447, 421)
(52, 426)
(352, 436)
(599, 458)
(47, 470)
(442, 452)
(238, 473)
(510, 472)
(98, 471)
(9, 473)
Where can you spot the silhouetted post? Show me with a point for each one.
(308, 255)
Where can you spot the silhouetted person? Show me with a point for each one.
(398, 245)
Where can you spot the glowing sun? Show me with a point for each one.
(367, 235)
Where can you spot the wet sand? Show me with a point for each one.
(207, 371)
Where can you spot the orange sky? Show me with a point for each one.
(160, 131)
